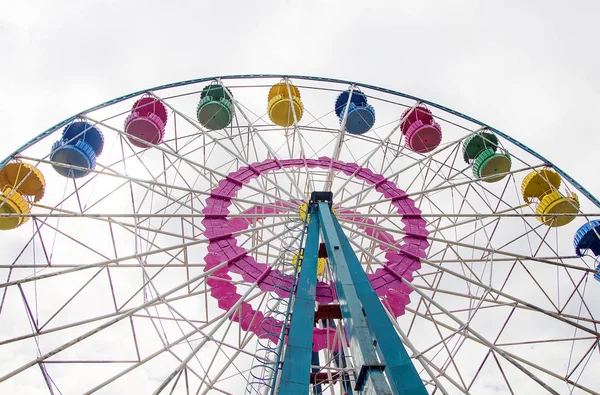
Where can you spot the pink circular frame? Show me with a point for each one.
(222, 247)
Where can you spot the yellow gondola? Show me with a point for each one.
(541, 187)
(17, 180)
(12, 202)
(302, 212)
(320, 263)
(284, 104)
(28, 180)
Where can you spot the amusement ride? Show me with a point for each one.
(276, 234)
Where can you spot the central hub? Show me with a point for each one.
(321, 196)
(315, 198)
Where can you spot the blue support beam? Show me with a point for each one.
(383, 366)
(370, 378)
(400, 372)
(295, 375)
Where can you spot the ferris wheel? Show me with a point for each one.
(269, 234)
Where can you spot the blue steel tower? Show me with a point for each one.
(382, 365)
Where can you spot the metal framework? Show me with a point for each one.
(49, 131)
(109, 275)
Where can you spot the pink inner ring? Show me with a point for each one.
(387, 281)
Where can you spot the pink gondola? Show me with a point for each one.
(146, 122)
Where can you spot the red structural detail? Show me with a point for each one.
(322, 251)
(323, 377)
(328, 312)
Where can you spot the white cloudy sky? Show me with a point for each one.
(527, 68)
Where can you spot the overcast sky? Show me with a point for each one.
(527, 68)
